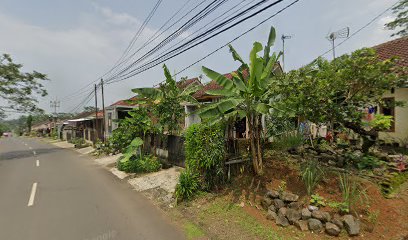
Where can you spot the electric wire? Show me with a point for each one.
(134, 39)
(192, 21)
(358, 31)
(158, 33)
(233, 40)
(185, 48)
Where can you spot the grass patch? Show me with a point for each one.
(231, 216)
(193, 231)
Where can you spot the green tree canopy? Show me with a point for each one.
(337, 92)
(401, 20)
(19, 89)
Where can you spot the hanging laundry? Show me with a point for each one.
(313, 130)
(322, 131)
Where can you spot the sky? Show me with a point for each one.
(76, 42)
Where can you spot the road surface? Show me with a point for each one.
(49, 193)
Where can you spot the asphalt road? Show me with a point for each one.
(64, 195)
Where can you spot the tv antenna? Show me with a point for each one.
(342, 33)
(284, 37)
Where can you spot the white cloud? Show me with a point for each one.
(116, 18)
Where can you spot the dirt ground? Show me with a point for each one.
(235, 212)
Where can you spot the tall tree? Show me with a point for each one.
(19, 89)
(337, 92)
(246, 95)
(401, 20)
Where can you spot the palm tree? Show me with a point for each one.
(246, 96)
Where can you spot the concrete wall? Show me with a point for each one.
(191, 118)
(401, 118)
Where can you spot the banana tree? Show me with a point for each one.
(166, 101)
(246, 94)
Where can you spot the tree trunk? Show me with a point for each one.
(258, 143)
(254, 138)
(252, 143)
(369, 136)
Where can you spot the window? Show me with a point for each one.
(388, 109)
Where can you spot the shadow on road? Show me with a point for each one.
(26, 153)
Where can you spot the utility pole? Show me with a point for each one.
(103, 112)
(284, 37)
(96, 113)
(55, 104)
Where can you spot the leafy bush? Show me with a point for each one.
(134, 161)
(104, 148)
(143, 164)
(340, 206)
(79, 142)
(136, 125)
(205, 153)
(311, 175)
(317, 200)
(188, 185)
(369, 162)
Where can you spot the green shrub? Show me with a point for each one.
(135, 164)
(188, 185)
(369, 162)
(79, 142)
(104, 148)
(311, 175)
(137, 124)
(205, 153)
(317, 200)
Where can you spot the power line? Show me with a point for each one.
(130, 45)
(233, 40)
(135, 37)
(198, 30)
(192, 21)
(159, 32)
(84, 102)
(173, 53)
(359, 30)
(85, 89)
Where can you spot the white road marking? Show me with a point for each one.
(32, 195)
(25, 144)
(37, 163)
(30, 148)
(34, 152)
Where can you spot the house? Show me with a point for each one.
(42, 128)
(86, 125)
(399, 130)
(115, 112)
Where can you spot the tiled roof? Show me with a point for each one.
(212, 85)
(187, 82)
(124, 102)
(395, 48)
